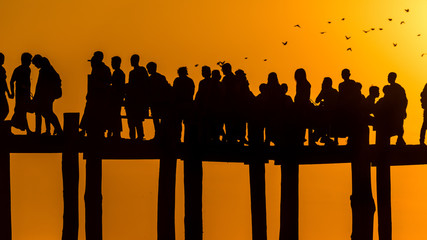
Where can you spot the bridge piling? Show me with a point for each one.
(70, 177)
(289, 205)
(258, 202)
(5, 202)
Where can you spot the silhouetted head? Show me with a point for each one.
(216, 75)
(359, 86)
(99, 55)
(134, 60)
(26, 59)
(327, 83)
(182, 71)
(272, 79)
(240, 74)
(262, 88)
(284, 88)
(37, 60)
(1, 59)
(300, 74)
(392, 77)
(116, 61)
(226, 69)
(151, 67)
(345, 74)
(374, 91)
(206, 71)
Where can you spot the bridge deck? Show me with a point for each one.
(128, 149)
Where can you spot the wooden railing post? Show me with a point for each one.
(70, 177)
(5, 203)
(258, 202)
(289, 206)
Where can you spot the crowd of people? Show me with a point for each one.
(223, 110)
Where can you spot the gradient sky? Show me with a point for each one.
(190, 32)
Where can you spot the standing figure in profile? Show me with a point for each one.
(4, 106)
(48, 89)
(303, 106)
(230, 111)
(424, 106)
(137, 98)
(374, 93)
(245, 100)
(400, 102)
(21, 76)
(183, 89)
(96, 109)
(160, 96)
(117, 96)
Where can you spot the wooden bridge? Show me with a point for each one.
(70, 144)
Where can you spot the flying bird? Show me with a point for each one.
(422, 55)
(407, 10)
(372, 29)
(220, 63)
(342, 19)
(394, 44)
(265, 60)
(390, 19)
(297, 26)
(246, 57)
(349, 49)
(196, 65)
(380, 29)
(285, 43)
(329, 22)
(347, 38)
(402, 22)
(322, 32)
(418, 35)
(365, 31)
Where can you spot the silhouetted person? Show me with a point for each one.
(400, 102)
(183, 89)
(424, 106)
(328, 101)
(137, 98)
(4, 106)
(303, 106)
(21, 76)
(160, 96)
(350, 99)
(96, 111)
(208, 104)
(47, 90)
(117, 96)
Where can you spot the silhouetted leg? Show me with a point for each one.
(47, 125)
(156, 122)
(38, 123)
(131, 124)
(193, 177)
(70, 177)
(140, 129)
(423, 130)
(258, 203)
(289, 205)
(5, 207)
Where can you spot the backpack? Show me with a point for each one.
(56, 85)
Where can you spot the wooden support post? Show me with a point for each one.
(289, 200)
(193, 180)
(93, 192)
(70, 177)
(166, 198)
(258, 202)
(362, 202)
(5, 205)
(383, 189)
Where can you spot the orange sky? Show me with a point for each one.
(190, 32)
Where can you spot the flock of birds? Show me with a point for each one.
(365, 31)
(347, 37)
